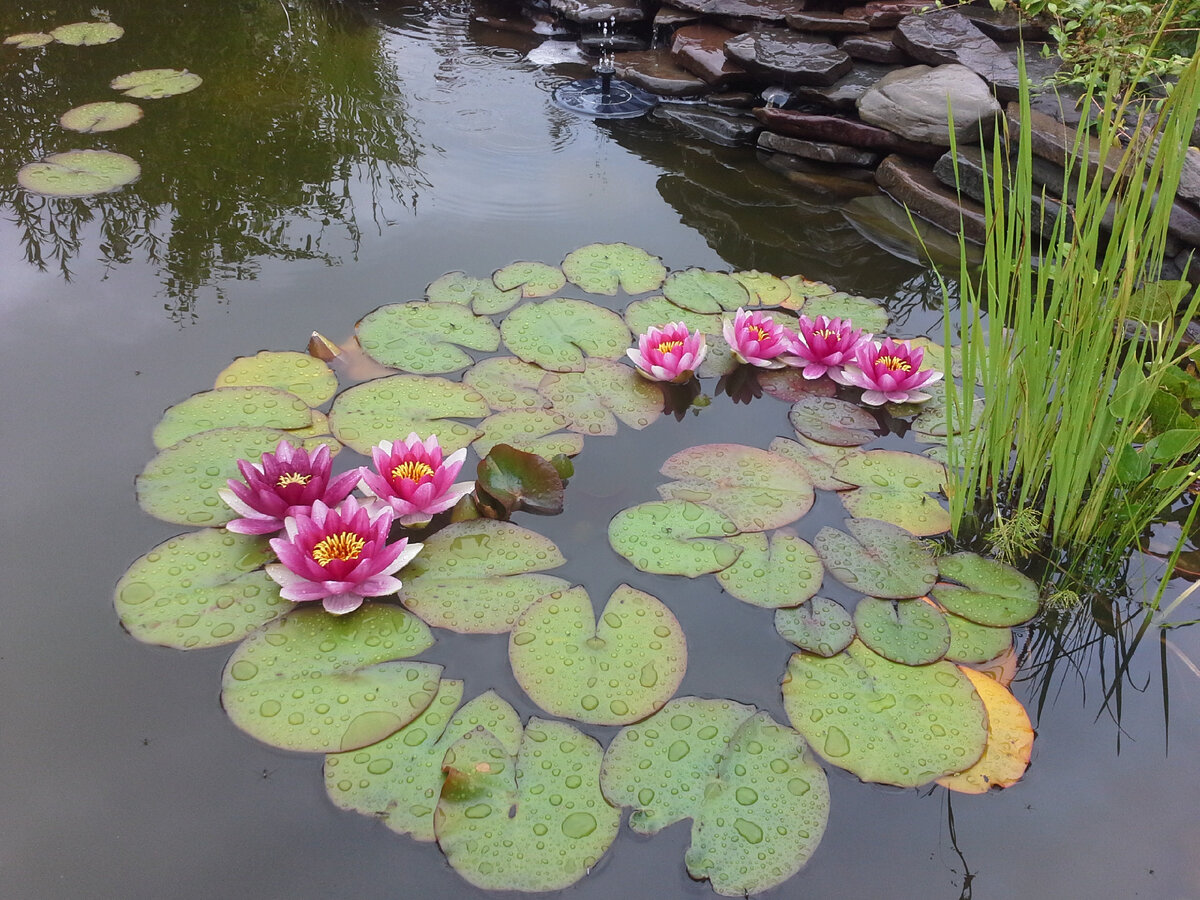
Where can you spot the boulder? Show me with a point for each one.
(915, 186)
(713, 126)
(821, 151)
(944, 36)
(914, 103)
(1004, 25)
(788, 57)
(840, 130)
(772, 11)
(701, 50)
(888, 13)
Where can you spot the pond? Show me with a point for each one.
(337, 158)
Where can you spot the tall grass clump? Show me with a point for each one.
(1066, 436)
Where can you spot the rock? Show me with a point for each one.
(717, 127)
(944, 36)
(1189, 176)
(773, 11)
(701, 50)
(888, 13)
(971, 181)
(1185, 223)
(840, 130)
(912, 102)
(1053, 142)
(845, 92)
(915, 186)
(821, 179)
(601, 42)
(821, 151)
(673, 17)
(886, 224)
(788, 57)
(875, 46)
(1004, 25)
(1189, 264)
(826, 21)
(593, 12)
(657, 72)
(733, 100)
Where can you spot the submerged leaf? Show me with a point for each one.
(674, 537)
(602, 268)
(558, 334)
(425, 338)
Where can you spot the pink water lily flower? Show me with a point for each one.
(890, 372)
(824, 346)
(757, 339)
(669, 353)
(338, 556)
(413, 480)
(286, 482)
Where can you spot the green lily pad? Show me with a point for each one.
(108, 115)
(481, 294)
(320, 683)
(914, 511)
(674, 537)
(884, 721)
(477, 576)
(535, 279)
(507, 383)
(893, 487)
(785, 573)
(763, 288)
(892, 469)
(821, 626)
(200, 589)
(531, 430)
(932, 421)
(911, 632)
(705, 292)
(602, 268)
(995, 610)
(818, 460)
(804, 289)
(255, 407)
(558, 334)
(29, 39)
(881, 559)
(594, 400)
(425, 338)
(832, 421)
(974, 643)
(608, 671)
(155, 84)
(520, 480)
(641, 315)
(79, 173)
(755, 488)
(866, 315)
(387, 409)
(989, 576)
(537, 823)
(297, 373)
(399, 779)
(87, 34)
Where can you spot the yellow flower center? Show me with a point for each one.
(827, 333)
(345, 545)
(668, 346)
(292, 478)
(760, 333)
(412, 470)
(895, 363)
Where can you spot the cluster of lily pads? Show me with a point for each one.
(84, 173)
(907, 688)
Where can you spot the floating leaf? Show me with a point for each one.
(866, 315)
(29, 39)
(989, 576)
(507, 383)
(641, 315)
(883, 721)
(535, 279)
(832, 421)
(79, 173)
(258, 407)
(424, 337)
(155, 84)
(538, 823)
(757, 489)
(880, 560)
(786, 573)
(108, 115)
(531, 430)
(995, 610)
(911, 632)
(481, 294)
(804, 289)
(789, 384)
(602, 268)
(1009, 745)
(705, 292)
(297, 373)
(818, 460)
(593, 400)
(891, 469)
(320, 683)
(763, 288)
(557, 334)
(520, 480)
(974, 643)
(200, 589)
(387, 409)
(820, 626)
(87, 34)
(913, 511)
(608, 671)
(399, 779)
(674, 537)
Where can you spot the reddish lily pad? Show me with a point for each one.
(387, 408)
(785, 573)
(109, 115)
(532, 430)
(481, 294)
(254, 407)
(674, 537)
(520, 480)
(880, 560)
(789, 384)
(821, 626)
(79, 173)
(832, 421)
(425, 338)
(702, 291)
(911, 632)
(87, 34)
(156, 84)
(818, 460)
(297, 373)
(1009, 746)
(560, 333)
(603, 268)
(594, 400)
(507, 383)
(535, 279)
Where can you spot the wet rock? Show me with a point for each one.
(913, 101)
(944, 36)
(826, 22)
(1188, 262)
(1189, 177)
(821, 151)
(657, 72)
(888, 13)
(841, 130)
(717, 127)
(971, 181)
(916, 187)
(1004, 25)
(1053, 142)
(732, 100)
(593, 12)
(875, 46)
(701, 50)
(673, 17)
(1184, 223)
(789, 57)
(773, 11)
(846, 91)
(600, 42)
(821, 179)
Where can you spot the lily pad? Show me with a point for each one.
(641, 315)
(971, 642)
(386, 408)
(481, 294)
(156, 84)
(558, 334)
(866, 315)
(507, 383)
(786, 573)
(995, 610)
(705, 292)
(399, 779)
(594, 400)
(763, 288)
(1009, 746)
(532, 430)
(884, 721)
(320, 683)
(804, 289)
(789, 384)
(603, 268)
(536, 823)
(911, 632)
(520, 480)
(297, 373)
(832, 421)
(891, 469)
(818, 460)
(757, 489)
(989, 576)
(535, 279)
(79, 173)
(477, 576)
(29, 39)
(87, 34)
(674, 537)
(258, 407)
(880, 560)
(200, 589)
(425, 338)
(914, 511)
(611, 671)
(108, 115)
(821, 626)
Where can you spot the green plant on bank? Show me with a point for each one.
(1070, 426)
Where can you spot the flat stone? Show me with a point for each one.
(821, 179)
(888, 13)
(657, 72)
(840, 130)
(788, 57)
(875, 46)
(620, 42)
(1188, 262)
(673, 17)
(1004, 25)
(821, 151)
(972, 182)
(701, 50)
(717, 127)
(1053, 142)
(1189, 176)
(1185, 223)
(773, 11)
(944, 36)
(825, 21)
(916, 187)
(913, 103)
(844, 93)
(593, 12)
(733, 100)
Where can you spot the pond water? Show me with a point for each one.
(336, 159)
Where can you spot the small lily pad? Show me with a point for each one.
(785, 573)
(971, 642)
(87, 34)
(535, 279)
(507, 383)
(602, 268)
(832, 421)
(818, 460)
(804, 289)
(558, 334)
(594, 400)
(29, 39)
(866, 315)
(79, 173)
(705, 292)
(532, 430)
(519, 480)
(821, 626)
(911, 632)
(108, 115)
(155, 84)
(674, 537)
(789, 384)
(1009, 746)
(385, 408)
(297, 373)
(481, 294)
(425, 338)
(256, 407)
(763, 288)
(880, 560)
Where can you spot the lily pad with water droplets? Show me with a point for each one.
(29, 39)
(79, 173)
(321, 683)
(818, 460)
(388, 409)
(200, 589)
(507, 383)
(804, 289)
(87, 34)
(674, 537)
(534, 279)
(481, 294)
(594, 400)
(913, 511)
(786, 572)
(1009, 746)
(297, 373)
(789, 384)
(536, 823)
(891, 469)
(478, 576)
(821, 626)
(757, 489)
(911, 632)
(399, 779)
(989, 576)
(532, 430)
(560, 333)
(994, 610)
(702, 291)
(641, 315)
(884, 721)
(881, 559)
(603, 268)
(109, 115)
(866, 315)
(608, 671)
(425, 338)
(156, 84)
(254, 407)
(832, 421)
(971, 642)
(763, 288)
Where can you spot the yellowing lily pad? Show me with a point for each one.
(535, 279)
(702, 291)
(821, 626)
(260, 407)
(297, 373)
(558, 334)
(391, 408)
(481, 294)
(155, 84)
(29, 39)
(785, 573)
(424, 337)
(763, 288)
(79, 173)
(674, 537)
(914, 511)
(880, 560)
(1009, 746)
(87, 34)
(603, 268)
(108, 115)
